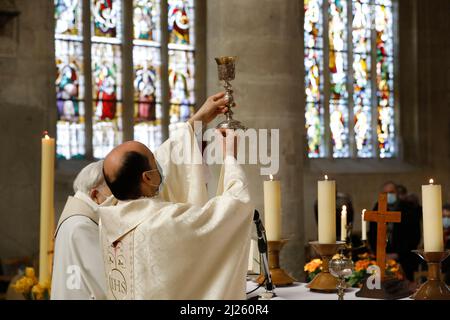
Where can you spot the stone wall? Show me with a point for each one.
(266, 37)
(26, 110)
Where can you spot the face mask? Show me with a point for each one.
(446, 222)
(160, 186)
(391, 198)
(161, 175)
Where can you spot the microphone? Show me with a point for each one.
(262, 248)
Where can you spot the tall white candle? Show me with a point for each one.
(432, 218)
(326, 190)
(272, 209)
(363, 226)
(47, 196)
(344, 223)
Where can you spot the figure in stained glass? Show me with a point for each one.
(106, 94)
(67, 92)
(144, 85)
(178, 22)
(66, 15)
(105, 18)
(144, 25)
(180, 109)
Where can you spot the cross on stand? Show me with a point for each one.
(381, 217)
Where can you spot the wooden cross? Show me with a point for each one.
(381, 217)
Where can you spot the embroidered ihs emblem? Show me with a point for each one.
(120, 268)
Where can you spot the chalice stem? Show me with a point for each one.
(341, 288)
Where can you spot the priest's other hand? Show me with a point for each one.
(229, 140)
(212, 107)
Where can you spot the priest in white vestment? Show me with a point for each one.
(78, 271)
(176, 243)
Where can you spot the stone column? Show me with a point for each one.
(267, 38)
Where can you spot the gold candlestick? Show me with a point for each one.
(279, 277)
(434, 288)
(324, 281)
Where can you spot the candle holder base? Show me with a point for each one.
(279, 277)
(434, 288)
(324, 282)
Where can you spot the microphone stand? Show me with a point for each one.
(262, 248)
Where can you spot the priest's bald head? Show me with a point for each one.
(131, 172)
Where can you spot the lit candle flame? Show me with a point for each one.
(344, 208)
(326, 177)
(431, 181)
(271, 177)
(45, 134)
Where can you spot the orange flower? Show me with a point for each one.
(313, 265)
(361, 265)
(391, 263)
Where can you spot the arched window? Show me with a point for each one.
(349, 78)
(91, 55)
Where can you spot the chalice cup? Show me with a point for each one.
(226, 69)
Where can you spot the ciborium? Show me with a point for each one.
(341, 268)
(226, 70)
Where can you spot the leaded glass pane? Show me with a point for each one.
(106, 19)
(313, 60)
(181, 22)
(68, 18)
(362, 94)
(384, 81)
(107, 95)
(181, 84)
(147, 96)
(338, 103)
(146, 20)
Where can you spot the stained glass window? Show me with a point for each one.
(69, 79)
(361, 30)
(147, 73)
(181, 59)
(106, 76)
(366, 27)
(384, 83)
(105, 72)
(314, 114)
(337, 39)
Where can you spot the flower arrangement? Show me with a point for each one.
(30, 288)
(393, 269)
(365, 261)
(312, 268)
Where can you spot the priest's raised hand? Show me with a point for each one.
(165, 239)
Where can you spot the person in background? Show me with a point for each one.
(446, 225)
(402, 237)
(78, 271)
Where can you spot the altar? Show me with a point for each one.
(299, 291)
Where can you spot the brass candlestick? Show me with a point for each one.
(324, 281)
(434, 288)
(226, 70)
(279, 277)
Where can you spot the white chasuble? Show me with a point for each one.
(78, 264)
(180, 245)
